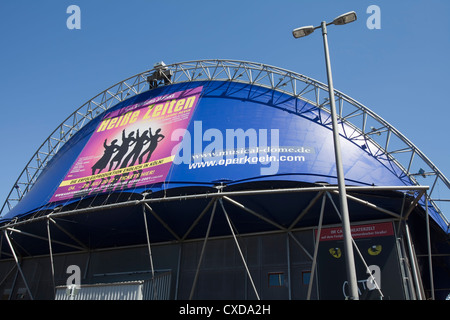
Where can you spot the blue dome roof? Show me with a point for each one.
(234, 133)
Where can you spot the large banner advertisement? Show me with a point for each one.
(131, 146)
(376, 243)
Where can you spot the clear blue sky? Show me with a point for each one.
(47, 71)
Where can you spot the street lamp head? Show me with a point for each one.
(345, 18)
(302, 32)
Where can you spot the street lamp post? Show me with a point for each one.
(348, 246)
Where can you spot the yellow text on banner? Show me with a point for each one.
(117, 172)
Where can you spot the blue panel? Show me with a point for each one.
(230, 130)
(305, 143)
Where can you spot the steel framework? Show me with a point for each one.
(367, 128)
(215, 200)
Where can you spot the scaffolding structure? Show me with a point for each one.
(54, 220)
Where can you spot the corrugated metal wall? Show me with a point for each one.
(104, 291)
(159, 291)
(130, 290)
(222, 273)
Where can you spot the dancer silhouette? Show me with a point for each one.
(123, 149)
(154, 140)
(107, 154)
(140, 142)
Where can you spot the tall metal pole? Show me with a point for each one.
(430, 263)
(316, 249)
(51, 257)
(18, 264)
(348, 247)
(155, 294)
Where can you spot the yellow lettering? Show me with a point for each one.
(103, 125)
(149, 111)
(118, 121)
(112, 123)
(171, 105)
(134, 116)
(165, 108)
(157, 111)
(179, 105)
(189, 103)
(125, 118)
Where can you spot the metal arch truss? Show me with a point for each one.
(372, 133)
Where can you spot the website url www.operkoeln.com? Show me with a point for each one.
(245, 160)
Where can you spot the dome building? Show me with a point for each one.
(216, 179)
